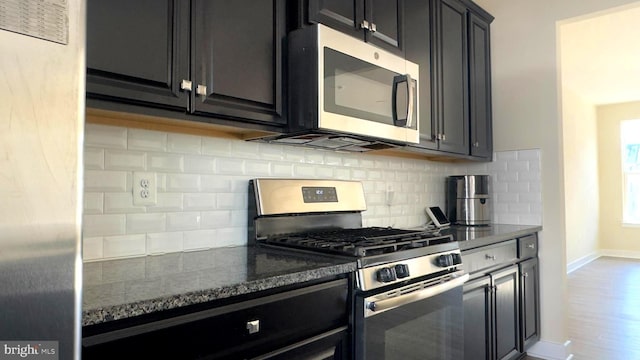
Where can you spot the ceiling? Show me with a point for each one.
(600, 57)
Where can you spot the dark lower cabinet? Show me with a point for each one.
(507, 313)
(216, 58)
(529, 302)
(306, 323)
(478, 315)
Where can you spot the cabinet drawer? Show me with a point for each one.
(489, 256)
(528, 246)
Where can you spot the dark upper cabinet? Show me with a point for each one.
(478, 312)
(208, 57)
(136, 51)
(480, 88)
(377, 21)
(529, 302)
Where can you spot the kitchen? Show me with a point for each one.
(52, 207)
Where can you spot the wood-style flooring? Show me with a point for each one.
(604, 310)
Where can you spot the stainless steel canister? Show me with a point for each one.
(468, 200)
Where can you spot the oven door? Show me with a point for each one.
(422, 321)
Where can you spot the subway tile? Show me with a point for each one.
(93, 158)
(351, 161)
(518, 187)
(105, 181)
(530, 198)
(245, 149)
(92, 248)
(216, 183)
(182, 182)
(143, 223)
(324, 172)
(508, 176)
(167, 202)
(124, 160)
(229, 166)
(183, 221)
(112, 137)
(121, 203)
(530, 219)
(258, 168)
(401, 176)
(358, 174)
(184, 144)
(332, 159)
(239, 218)
(304, 171)
(103, 225)
(519, 208)
(520, 166)
(367, 163)
(271, 152)
(282, 170)
(199, 239)
(165, 162)
(506, 197)
(313, 157)
(231, 201)
(199, 201)
(216, 146)
(139, 139)
(166, 242)
(499, 187)
(506, 155)
(231, 237)
(93, 203)
(124, 246)
(532, 154)
(341, 173)
(199, 164)
(216, 219)
(293, 154)
(531, 175)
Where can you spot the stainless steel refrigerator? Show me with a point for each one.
(41, 136)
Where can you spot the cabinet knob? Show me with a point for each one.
(186, 85)
(525, 274)
(531, 246)
(253, 326)
(201, 90)
(365, 25)
(373, 27)
(444, 137)
(490, 257)
(476, 144)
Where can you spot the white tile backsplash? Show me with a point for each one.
(202, 188)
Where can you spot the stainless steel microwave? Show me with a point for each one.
(347, 94)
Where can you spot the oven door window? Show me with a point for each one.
(358, 89)
(429, 329)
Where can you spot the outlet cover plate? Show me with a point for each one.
(144, 188)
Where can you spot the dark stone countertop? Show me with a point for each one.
(118, 289)
(470, 237)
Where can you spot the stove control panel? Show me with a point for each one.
(376, 276)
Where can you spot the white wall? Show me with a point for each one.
(616, 239)
(527, 114)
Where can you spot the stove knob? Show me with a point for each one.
(386, 275)
(457, 259)
(402, 270)
(444, 260)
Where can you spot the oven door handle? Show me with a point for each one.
(376, 307)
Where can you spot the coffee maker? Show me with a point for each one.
(468, 200)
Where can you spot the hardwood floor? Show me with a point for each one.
(604, 310)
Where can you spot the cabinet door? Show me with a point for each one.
(418, 50)
(507, 324)
(477, 319)
(138, 51)
(480, 88)
(529, 301)
(451, 81)
(387, 19)
(237, 59)
(342, 15)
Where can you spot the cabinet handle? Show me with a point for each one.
(490, 257)
(525, 274)
(476, 144)
(365, 25)
(373, 27)
(444, 137)
(186, 85)
(531, 246)
(201, 90)
(253, 326)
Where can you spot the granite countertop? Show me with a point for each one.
(470, 237)
(117, 289)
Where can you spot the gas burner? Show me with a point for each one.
(359, 242)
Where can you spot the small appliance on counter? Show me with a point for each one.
(468, 200)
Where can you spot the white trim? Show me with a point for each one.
(576, 264)
(551, 350)
(620, 253)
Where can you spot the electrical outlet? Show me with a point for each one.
(144, 188)
(389, 195)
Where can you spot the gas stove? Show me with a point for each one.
(325, 216)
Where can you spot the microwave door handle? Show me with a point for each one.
(397, 80)
(411, 89)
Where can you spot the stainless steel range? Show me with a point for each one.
(408, 292)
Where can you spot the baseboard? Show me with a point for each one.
(551, 351)
(577, 264)
(620, 253)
